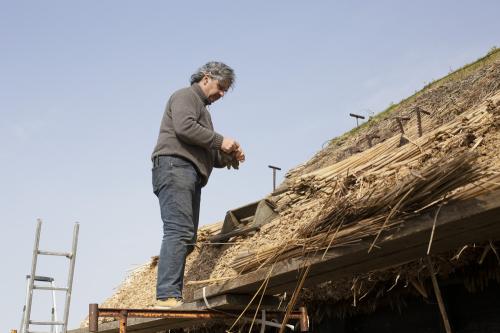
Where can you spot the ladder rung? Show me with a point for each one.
(51, 253)
(50, 288)
(51, 323)
(41, 278)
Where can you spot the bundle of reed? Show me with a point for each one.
(387, 156)
(368, 192)
(382, 165)
(347, 218)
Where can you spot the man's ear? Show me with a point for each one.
(205, 80)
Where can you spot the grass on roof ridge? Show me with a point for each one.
(491, 56)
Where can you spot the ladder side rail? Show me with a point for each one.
(23, 317)
(33, 274)
(54, 308)
(70, 277)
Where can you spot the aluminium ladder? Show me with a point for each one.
(53, 312)
(26, 321)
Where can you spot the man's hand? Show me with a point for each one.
(239, 155)
(229, 161)
(229, 145)
(233, 148)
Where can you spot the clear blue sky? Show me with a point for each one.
(83, 86)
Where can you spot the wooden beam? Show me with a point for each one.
(232, 302)
(459, 223)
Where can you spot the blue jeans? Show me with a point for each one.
(177, 185)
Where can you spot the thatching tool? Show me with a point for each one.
(419, 112)
(357, 116)
(274, 175)
(399, 120)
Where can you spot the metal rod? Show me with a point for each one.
(123, 321)
(123, 314)
(274, 175)
(357, 116)
(53, 253)
(23, 318)
(32, 281)
(419, 112)
(71, 272)
(54, 306)
(46, 322)
(172, 314)
(400, 123)
(93, 316)
(274, 180)
(439, 298)
(419, 124)
(42, 278)
(50, 288)
(304, 319)
(95, 312)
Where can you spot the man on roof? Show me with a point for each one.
(187, 150)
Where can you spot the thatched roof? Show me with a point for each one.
(350, 191)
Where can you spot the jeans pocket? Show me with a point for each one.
(155, 179)
(160, 176)
(177, 162)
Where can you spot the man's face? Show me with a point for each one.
(213, 89)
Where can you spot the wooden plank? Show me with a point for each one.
(231, 302)
(459, 223)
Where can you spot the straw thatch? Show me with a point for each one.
(476, 266)
(349, 191)
(387, 185)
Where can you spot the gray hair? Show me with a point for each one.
(216, 70)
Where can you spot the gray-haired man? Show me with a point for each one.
(187, 150)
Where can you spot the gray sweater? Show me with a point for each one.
(187, 131)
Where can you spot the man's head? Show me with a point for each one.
(214, 78)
